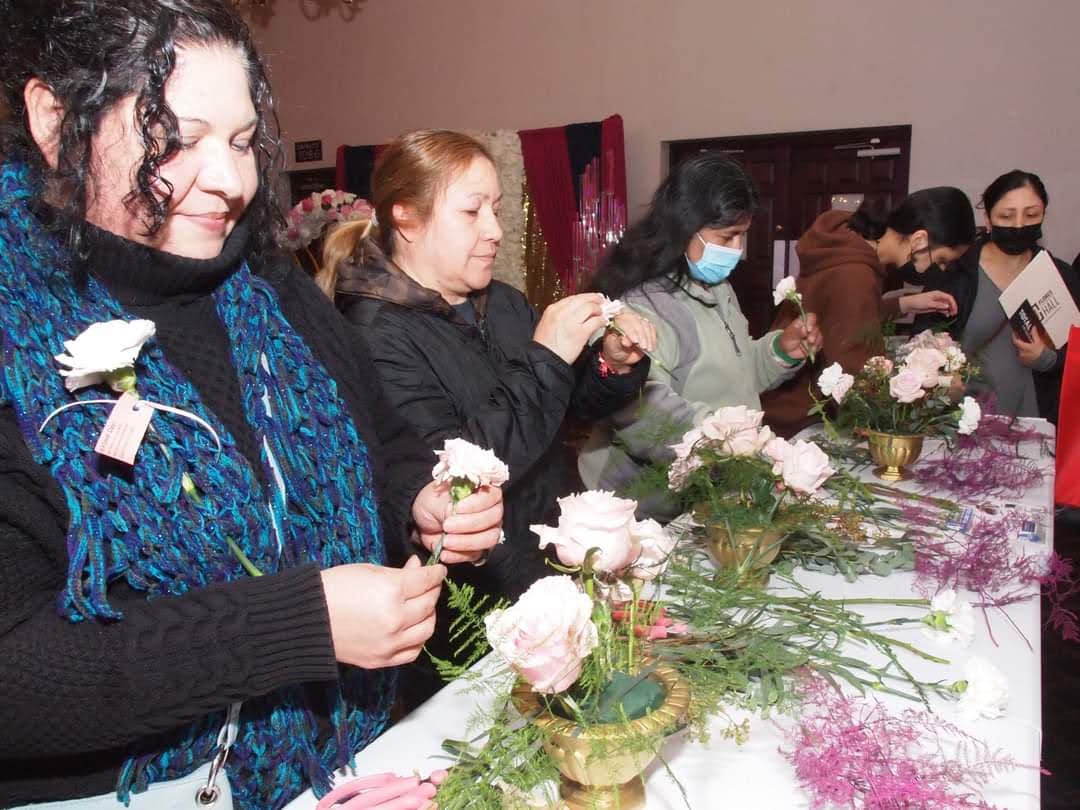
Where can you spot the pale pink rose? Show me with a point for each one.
(546, 634)
(879, 365)
(774, 450)
(724, 422)
(928, 339)
(593, 520)
(928, 362)
(685, 460)
(805, 467)
(735, 429)
(906, 386)
(748, 442)
(462, 460)
(656, 545)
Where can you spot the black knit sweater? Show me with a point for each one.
(76, 699)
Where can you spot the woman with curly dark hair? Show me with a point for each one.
(216, 618)
(672, 267)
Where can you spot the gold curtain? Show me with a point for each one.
(542, 285)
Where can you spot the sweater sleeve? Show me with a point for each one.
(521, 414)
(658, 417)
(74, 687)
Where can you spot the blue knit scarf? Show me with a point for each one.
(144, 530)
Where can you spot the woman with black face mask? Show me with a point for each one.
(1024, 375)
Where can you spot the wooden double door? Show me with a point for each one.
(799, 176)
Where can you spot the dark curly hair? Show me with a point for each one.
(709, 190)
(94, 53)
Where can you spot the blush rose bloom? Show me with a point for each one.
(906, 386)
(928, 362)
(737, 429)
(546, 634)
(879, 365)
(656, 545)
(101, 348)
(686, 461)
(593, 519)
(805, 467)
(774, 450)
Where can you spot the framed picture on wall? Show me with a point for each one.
(303, 182)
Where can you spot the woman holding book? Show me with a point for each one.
(1023, 373)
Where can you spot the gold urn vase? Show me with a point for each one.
(751, 550)
(601, 765)
(892, 452)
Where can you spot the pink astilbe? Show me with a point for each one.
(851, 752)
(986, 559)
(986, 463)
(1059, 585)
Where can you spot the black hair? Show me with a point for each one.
(944, 212)
(709, 190)
(94, 54)
(1010, 181)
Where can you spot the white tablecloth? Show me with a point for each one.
(756, 775)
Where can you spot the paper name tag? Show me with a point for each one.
(124, 432)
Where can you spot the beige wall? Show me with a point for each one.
(988, 85)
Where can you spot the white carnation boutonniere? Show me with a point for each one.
(465, 467)
(105, 352)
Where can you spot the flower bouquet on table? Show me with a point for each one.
(896, 401)
(748, 488)
(585, 697)
(306, 223)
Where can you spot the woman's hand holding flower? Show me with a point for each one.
(625, 345)
(566, 326)
(379, 616)
(472, 530)
(802, 338)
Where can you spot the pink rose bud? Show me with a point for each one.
(308, 205)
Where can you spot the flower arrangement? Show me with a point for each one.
(307, 221)
(731, 469)
(914, 392)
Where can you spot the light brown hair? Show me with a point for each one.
(412, 171)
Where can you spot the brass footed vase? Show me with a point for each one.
(892, 452)
(751, 549)
(601, 765)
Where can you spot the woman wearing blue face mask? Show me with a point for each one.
(673, 267)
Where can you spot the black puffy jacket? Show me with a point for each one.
(490, 384)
